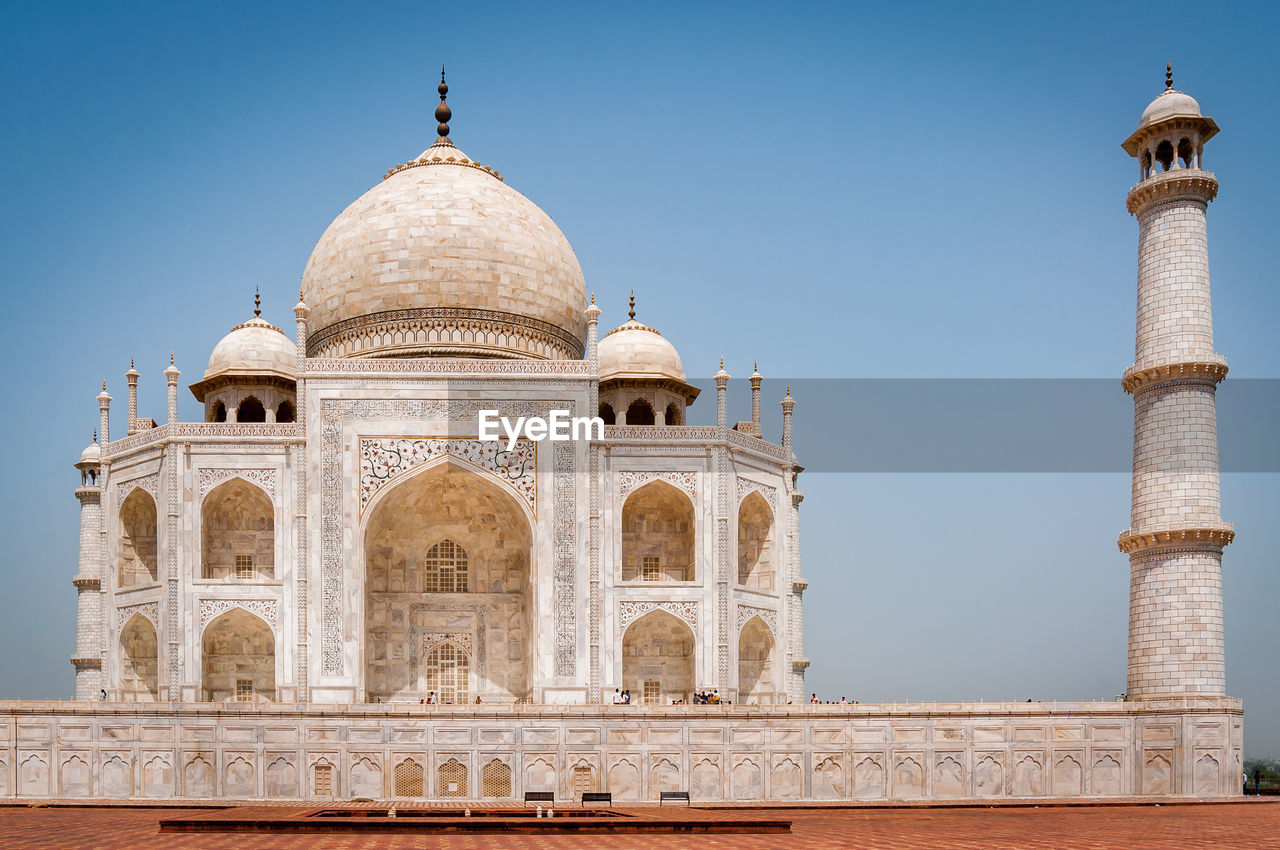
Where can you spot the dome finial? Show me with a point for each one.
(95, 435)
(171, 357)
(632, 313)
(443, 113)
(1168, 75)
(593, 298)
(257, 303)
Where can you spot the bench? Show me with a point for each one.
(539, 797)
(673, 796)
(605, 797)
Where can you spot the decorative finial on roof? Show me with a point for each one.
(593, 298)
(171, 357)
(130, 362)
(104, 385)
(721, 361)
(257, 302)
(632, 313)
(788, 389)
(95, 435)
(1168, 75)
(443, 113)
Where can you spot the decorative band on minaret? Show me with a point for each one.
(1176, 533)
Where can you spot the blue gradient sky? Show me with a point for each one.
(836, 190)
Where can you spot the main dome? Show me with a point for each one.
(443, 259)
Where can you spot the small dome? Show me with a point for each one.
(92, 453)
(256, 347)
(633, 350)
(1170, 103)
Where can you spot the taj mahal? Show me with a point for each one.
(332, 587)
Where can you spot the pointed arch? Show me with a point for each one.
(448, 549)
(756, 649)
(756, 556)
(138, 539)
(286, 412)
(607, 415)
(251, 409)
(640, 412)
(139, 667)
(237, 532)
(658, 658)
(658, 534)
(238, 658)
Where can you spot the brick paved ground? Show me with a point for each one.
(1236, 826)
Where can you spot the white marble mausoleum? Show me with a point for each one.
(268, 598)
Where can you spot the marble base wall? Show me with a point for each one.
(785, 753)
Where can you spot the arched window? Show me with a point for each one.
(448, 674)
(1164, 155)
(607, 414)
(495, 779)
(138, 558)
(238, 659)
(640, 412)
(407, 779)
(1186, 154)
(285, 412)
(658, 534)
(251, 410)
(445, 568)
(674, 416)
(219, 413)
(451, 779)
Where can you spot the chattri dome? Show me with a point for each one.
(1170, 103)
(634, 350)
(444, 259)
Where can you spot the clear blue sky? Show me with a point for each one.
(836, 190)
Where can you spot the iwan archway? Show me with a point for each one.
(448, 590)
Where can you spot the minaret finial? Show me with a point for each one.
(95, 435)
(130, 362)
(593, 298)
(632, 313)
(721, 361)
(257, 302)
(104, 385)
(443, 113)
(1168, 75)
(171, 357)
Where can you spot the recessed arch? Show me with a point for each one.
(756, 554)
(237, 532)
(658, 534)
(286, 412)
(138, 556)
(408, 604)
(756, 647)
(238, 658)
(219, 413)
(607, 414)
(674, 415)
(139, 680)
(658, 658)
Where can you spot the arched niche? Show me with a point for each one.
(444, 521)
(755, 662)
(607, 415)
(658, 534)
(139, 679)
(237, 533)
(238, 659)
(137, 540)
(657, 659)
(755, 543)
(286, 412)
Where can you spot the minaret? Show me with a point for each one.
(1176, 535)
(88, 582)
(171, 376)
(722, 396)
(132, 377)
(755, 380)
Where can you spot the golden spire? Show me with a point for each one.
(1168, 76)
(171, 357)
(257, 303)
(632, 314)
(95, 435)
(443, 113)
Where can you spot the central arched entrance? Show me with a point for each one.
(657, 659)
(447, 590)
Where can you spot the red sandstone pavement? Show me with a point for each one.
(1237, 826)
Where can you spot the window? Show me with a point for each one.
(496, 779)
(448, 672)
(407, 779)
(652, 692)
(451, 779)
(244, 567)
(244, 690)
(251, 410)
(445, 568)
(649, 568)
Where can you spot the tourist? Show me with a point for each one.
(617, 696)
(813, 699)
(626, 697)
(477, 699)
(844, 701)
(431, 698)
